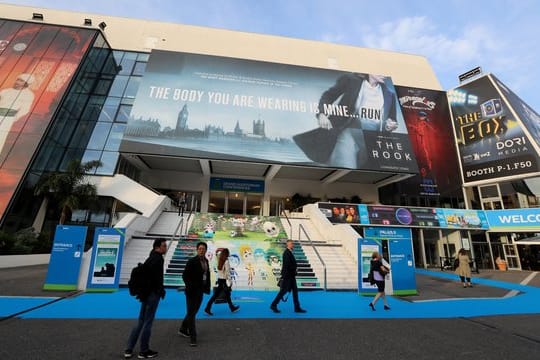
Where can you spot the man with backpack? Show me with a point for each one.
(149, 295)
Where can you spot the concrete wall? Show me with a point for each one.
(144, 35)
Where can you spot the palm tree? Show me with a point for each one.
(69, 189)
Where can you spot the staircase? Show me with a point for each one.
(305, 276)
(167, 225)
(341, 270)
(136, 251)
(341, 267)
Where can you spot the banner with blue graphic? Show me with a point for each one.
(401, 280)
(527, 219)
(104, 271)
(66, 255)
(366, 247)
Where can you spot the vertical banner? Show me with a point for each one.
(402, 263)
(37, 62)
(366, 247)
(104, 271)
(401, 280)
(427, 117)
(66, 255)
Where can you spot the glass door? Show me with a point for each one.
(235, 203)
(512, 257)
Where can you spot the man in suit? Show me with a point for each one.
(149, 302)
(370, 105)
(197, 280)
(288, 277)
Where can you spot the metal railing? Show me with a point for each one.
(301, 229)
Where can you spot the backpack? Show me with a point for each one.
(139, 282)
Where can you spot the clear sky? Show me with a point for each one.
(501, 36)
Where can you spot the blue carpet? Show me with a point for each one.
(255, 305)
(10, 305)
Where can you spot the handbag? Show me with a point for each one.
(371, 278)
(456, 263)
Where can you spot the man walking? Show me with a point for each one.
(288, 280)
(153, 267)
(197, 280)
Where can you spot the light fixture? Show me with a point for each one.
(87, 22)
(37, 16)
(102, 25)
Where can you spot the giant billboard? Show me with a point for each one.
(427, 116)
(492, 142)
(37, 62)
(214, 107)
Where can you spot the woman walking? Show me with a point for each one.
(379, 273)
(223, 283)
(464, 268)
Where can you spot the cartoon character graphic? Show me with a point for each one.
(270, 229)
(247, 255)
(275, 264)
(234, 261)
(208, 232)
(238, 225)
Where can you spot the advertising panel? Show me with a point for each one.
(366, 247)
(66, 256)
(401, 280)
(462, 219)
(215, 107)
(529, 118)
(491, 141)
(37, 62)
(338, 213)
(104, 271)
(399, 216)
(427, 117)
(514, 220)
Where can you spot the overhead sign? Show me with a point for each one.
(527, 219)
(401, 216)
(239, 185)
(204, 106)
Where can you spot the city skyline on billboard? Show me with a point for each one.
(205, 106)
(491, 141)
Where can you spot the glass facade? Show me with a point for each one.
(70, 133)
(114, 112)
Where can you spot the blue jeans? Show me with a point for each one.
(144, 325)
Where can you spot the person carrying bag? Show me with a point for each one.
(223, 283)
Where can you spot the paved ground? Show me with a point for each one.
(493, 337)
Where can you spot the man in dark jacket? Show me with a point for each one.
(288, 280)
(153, 267)
(197, 280)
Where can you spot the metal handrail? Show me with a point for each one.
(301, 228)
(284, 213)
(179, 227)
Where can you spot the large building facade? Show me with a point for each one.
(232, 119)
